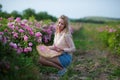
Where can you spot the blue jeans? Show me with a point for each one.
(65, 59)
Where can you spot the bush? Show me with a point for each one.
(111, 38)
(18, 40)
(16, 67)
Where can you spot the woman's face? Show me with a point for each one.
(61, 24)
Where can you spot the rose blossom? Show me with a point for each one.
(25, 38)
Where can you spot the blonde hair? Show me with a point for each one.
(66, 23)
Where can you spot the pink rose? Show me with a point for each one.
(15, 35)
(25, 38)
(29, 48)
(13, 45)
(21, 30)
(19, 50)
(18, 19)
(25, 50)
(30, 44)
(38, 34)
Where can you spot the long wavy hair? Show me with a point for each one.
(66, 24)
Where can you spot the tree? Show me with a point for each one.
(15, 14)
(28, 13)
(0, 7)
(41, 15)
(4, 14)
(44, 15)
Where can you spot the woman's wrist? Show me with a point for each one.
(66, 50)
(51, 47)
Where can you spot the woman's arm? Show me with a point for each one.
(51, 47)
(70, 44)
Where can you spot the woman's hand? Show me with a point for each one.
(59, 50)
(51, 47)
(55, 48)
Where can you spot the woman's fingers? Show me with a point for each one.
(58, 49)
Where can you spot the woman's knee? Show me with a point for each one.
(40, 60)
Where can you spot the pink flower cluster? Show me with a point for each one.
(107, 29)
(48, 31)
(20, 34)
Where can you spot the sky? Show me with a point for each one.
(70, 8)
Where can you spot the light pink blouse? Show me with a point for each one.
(64, 41)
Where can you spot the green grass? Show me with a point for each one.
(87, 37)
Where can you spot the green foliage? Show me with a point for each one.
(0, 7)
(14, 66)
(21, 66)
(15, 14)
(32, 19)
(104, 37)
(3, 24)
(48, 21)
(114, 42)
(4, 14)
(97, 20)
(79, 40)
(28, 13)
(111, 37)
(44, 16)
(116, 72)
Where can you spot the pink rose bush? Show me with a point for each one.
(18, 41)
(110, 36)
(22, 35)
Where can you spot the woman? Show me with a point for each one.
(62, 43)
